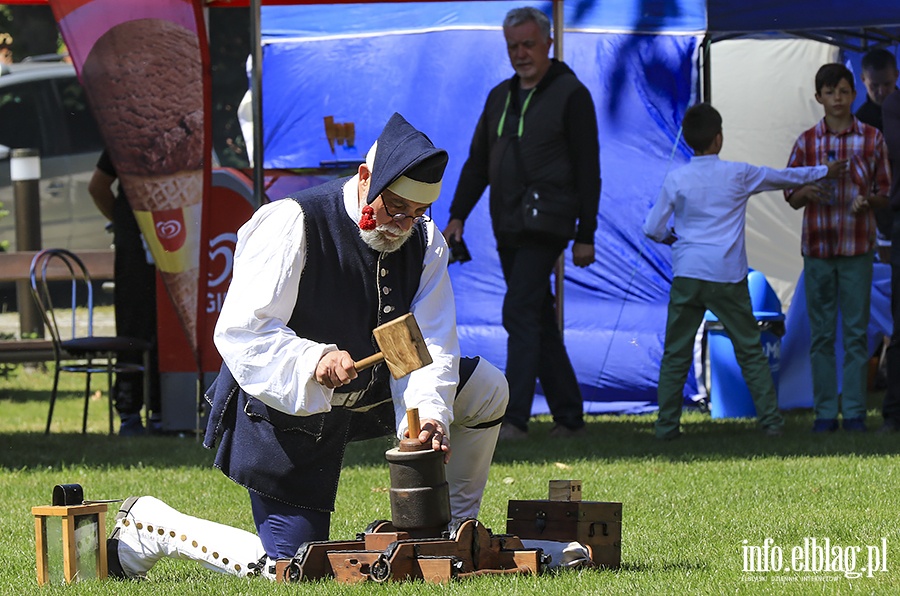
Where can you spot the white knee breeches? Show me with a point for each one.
(481, 402)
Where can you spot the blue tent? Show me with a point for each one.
(835, 21)
(435, 62)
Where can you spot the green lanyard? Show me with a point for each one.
(521, 117)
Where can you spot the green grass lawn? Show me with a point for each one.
(689, 506)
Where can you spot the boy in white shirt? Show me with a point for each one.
(709, 261)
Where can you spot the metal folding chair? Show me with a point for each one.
(76, 348)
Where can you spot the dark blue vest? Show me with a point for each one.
(346, 290)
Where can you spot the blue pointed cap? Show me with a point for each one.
(406, 162)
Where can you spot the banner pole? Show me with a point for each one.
(256, 94)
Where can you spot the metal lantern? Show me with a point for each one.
(70, 538)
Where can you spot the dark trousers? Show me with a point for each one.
(282, 528)
(535, 348)
(890, 409)
(135, 308)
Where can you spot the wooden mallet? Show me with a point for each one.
(402, 347)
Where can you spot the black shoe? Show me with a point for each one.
(890, 426)
(855, 425)
(825, 425)
(561, 431)
(131, 426)
(511, 432)
(155, 427)
(672, 436)
(113, 564)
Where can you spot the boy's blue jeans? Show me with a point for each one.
(845, 284)
(689, 300)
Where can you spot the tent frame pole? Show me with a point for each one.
(706, 69)
(560, 267)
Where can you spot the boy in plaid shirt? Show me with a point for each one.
(837, 245)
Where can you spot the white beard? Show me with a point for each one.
(378, 241)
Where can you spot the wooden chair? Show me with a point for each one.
(76, 348)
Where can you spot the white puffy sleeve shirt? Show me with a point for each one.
(271, 363)
(708, 197)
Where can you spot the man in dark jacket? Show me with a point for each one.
(891, 407)
(879, 76)
(539, 127)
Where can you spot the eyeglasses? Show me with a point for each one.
(399, 217)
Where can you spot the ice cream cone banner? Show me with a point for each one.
(142, 66)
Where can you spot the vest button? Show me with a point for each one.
(386, 290)
(384, 272)
(388, 308)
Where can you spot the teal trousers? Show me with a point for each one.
(838, 284)
(689, 299)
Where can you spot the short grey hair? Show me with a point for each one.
(519, 16)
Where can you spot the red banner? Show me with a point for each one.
(144, 65)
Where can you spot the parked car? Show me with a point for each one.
(43, 106)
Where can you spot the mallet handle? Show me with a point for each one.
(412, 419)
(369, 361)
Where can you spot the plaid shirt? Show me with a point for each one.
(833, 230)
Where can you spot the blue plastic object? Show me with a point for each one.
(729, 395)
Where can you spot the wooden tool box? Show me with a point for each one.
(565, 518)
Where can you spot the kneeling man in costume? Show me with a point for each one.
(314, 274)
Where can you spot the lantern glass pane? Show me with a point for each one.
(86, 545)
(56, 572)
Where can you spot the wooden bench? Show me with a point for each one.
(15, 267)
(16, 351)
